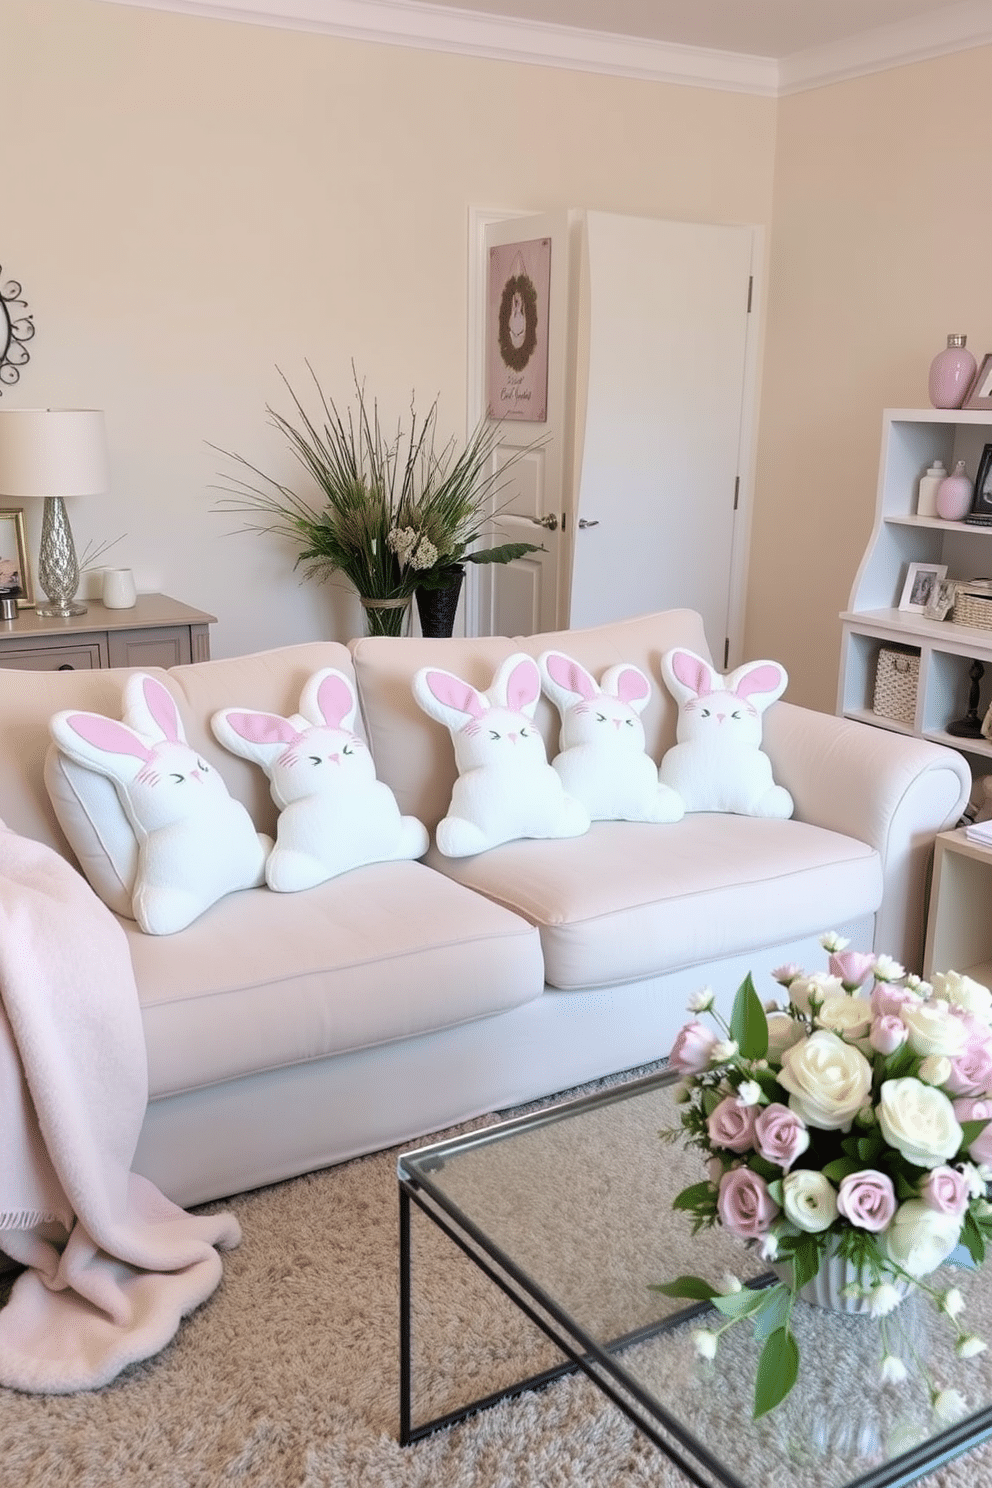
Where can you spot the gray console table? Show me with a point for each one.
(156, 632)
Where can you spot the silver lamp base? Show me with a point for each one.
(58, 567)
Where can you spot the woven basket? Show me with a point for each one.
(897, 676)
(973, 605)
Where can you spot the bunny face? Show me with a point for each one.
(604, 714)
(494, 729)
(300, 761)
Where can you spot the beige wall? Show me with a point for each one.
(190, 203)
(880, 248)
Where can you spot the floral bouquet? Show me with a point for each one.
(847, 1127)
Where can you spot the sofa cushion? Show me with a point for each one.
(264, 980)
(635, 899)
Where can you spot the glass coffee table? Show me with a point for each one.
(569, 1212)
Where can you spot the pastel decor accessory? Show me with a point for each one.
(505, 788)
(951, 373)
(195, 843)
(602, 760)
(119, 592)
(718, 763)
(954, 494)
(334, 815)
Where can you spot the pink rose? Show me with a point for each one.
(732, 1125)
(946, 1190)
(780, 1135)
(886, 1000)
(692, 1048)
(980, 1150)
(971, 1070)
(867, 1199)
(853, 967)
(888, 1033)
(744, 1204)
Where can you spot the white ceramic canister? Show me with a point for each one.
(119, 592)
(926, 501)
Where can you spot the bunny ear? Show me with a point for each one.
(761, 682)
(150, 708)
(259, 728)
(89, 738)
(567, 676)
(329, 698)
(517, 683)
(448, 698)
(629, 684)
(686, 674)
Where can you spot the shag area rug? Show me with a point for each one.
(288, 1376)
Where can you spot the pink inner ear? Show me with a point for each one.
(334, 700)
(523, 685)
(262, 728)
(570, 675)
(161, 706)
(632, 686)
(105, 734)
(454, 693)
(762, 679)
(691, 672)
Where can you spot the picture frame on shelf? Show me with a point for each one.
(941, 600)
(15, 571)
(921, 582)
(981, 503)
(980, 392)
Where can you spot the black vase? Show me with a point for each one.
(437, 607)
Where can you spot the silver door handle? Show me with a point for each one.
(583, 522)
(550, 521)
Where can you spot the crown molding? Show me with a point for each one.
(415, 23)
(955, 28)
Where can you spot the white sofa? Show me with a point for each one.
(289, 1031)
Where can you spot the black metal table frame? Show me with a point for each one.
(596, 1360)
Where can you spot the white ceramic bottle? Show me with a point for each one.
(926, 501)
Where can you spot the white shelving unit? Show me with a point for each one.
(912, 439)
(959, 928)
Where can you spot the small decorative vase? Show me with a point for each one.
(437, 607)
(826, 1288)
(951, 373)
(954, 495)
(387, 617)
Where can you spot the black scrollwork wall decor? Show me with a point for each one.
(16, 329)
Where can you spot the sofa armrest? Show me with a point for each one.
(893, 791)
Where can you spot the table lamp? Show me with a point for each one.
(54, 453)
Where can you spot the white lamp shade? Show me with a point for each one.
(53, 452)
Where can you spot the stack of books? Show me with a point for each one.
(979, 832)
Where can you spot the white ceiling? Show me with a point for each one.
(758, 28)
(753, 46)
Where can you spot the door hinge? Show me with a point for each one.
(563, 517)
(726, 652)
(737, 490)
(750, 291)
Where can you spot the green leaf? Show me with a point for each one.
(773, 1313)
(748, 1024)
(769, 1171)
(711, 1099)
(905, 1189)
(805, 1260)
(694, 1197)
(693, 1287)
(841, 1167)
(973, 1239)
(972, 1130)
(870, 1148)
(778, 1368)
(504, 553)
(739, 1304)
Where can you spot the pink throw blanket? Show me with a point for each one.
(113, 1265)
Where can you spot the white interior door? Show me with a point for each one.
(660, 521)
(526, 596)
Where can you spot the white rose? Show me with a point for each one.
(804, 991)
(933, 1028)
(828, 1081)
(809, 1200)
(783, 1032)
(965, 993)
(920, 1239)
(851, 1016)
(919, 1121)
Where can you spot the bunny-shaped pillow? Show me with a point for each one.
(718, 763)
(603, 762)
(505, 788)
(334, 815)
(195, 842)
